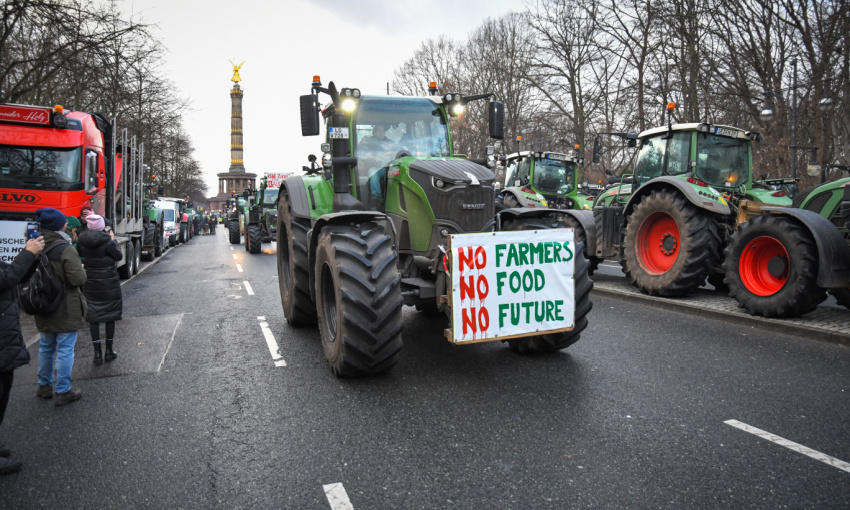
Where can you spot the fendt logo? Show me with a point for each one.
(19, 197)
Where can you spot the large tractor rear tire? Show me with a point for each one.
(233, 228)
(184, 232)
(581, 237)
(358, 293)
(583, 284)
(670, 245)
(158, 242)
(254, 239)
(149, 239)
(771, 268)
(293, 266)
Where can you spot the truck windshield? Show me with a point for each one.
(722, 161)
(61, 165)
(553, 176)
(386, 126)
(270, 195)
(168, 215)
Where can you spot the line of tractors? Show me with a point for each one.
(363, 231)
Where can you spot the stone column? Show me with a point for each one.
(236, 163)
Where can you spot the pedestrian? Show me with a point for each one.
(74, 229)
(196, 224)
(100, 253)
(59, 328)
(85, 211)
(13, 350)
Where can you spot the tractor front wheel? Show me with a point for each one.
(254, 239)
(293, 266)
(233, 228)
(358, 292)
(670, 245)
(583, 284)
(771, 268)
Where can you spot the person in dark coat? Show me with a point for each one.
(13, 350)
(100, 253)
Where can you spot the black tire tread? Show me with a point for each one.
(254, 239)
(233, 231)
(293, 239)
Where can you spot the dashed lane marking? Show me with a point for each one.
(234, 256)
(337, 497)
(231, 248)
(271, 342)
(248, 288)
(239, 267)
(832, 461)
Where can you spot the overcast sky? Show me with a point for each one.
(358, 43)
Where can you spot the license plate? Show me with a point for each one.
(726, 132)
(338, 133)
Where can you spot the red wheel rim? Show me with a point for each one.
(658, 243)
(753, 266)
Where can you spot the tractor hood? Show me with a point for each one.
(455, 171)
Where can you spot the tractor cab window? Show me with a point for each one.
(387, 128)
(41, 167)
(510, 173)
(553, 176)
(650, 159)
(270, 195)
(679, 153)
(523, 169)
(722, 161)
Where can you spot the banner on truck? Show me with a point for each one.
(13, 239)
(512, 284)
(274, 180)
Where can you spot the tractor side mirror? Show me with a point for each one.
(311, 158)
(309, 115)
(497, 120)
(632, 142)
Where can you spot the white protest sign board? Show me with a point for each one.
(274, 180)
(512, 284)
(13, 238)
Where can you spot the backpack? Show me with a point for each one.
(41, 292)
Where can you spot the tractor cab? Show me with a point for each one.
(541, 179)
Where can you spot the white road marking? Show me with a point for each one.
(271, 342)
(248, 288)
(170, 342)
(832, 461)
(239, 267)
(234, 256)
(231, 248)
(337, 497)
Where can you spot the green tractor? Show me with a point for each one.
(668, 222)
(154, 241)
(365, 231)
(233, 218)
(782, 262)
(259, 217)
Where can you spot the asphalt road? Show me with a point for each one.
(215, 402)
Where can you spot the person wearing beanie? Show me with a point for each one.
(100, 255)
(73, 229)
(59, 328)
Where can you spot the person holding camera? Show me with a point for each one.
(100, 254)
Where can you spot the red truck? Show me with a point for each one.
(67, 160)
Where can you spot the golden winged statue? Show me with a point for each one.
(236, 78)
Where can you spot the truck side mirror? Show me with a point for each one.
(309, 115)
(497, 120)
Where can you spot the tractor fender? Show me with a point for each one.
(833, 253)
(585, 217)
(345, 218)
(297, 196)
(517, 194)
(666, 181)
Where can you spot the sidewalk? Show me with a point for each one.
(825, 323)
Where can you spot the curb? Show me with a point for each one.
(761, 323)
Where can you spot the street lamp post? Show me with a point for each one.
(767, 113)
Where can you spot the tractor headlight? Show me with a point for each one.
(439, 183)
(491, 161)
(348, 105)
(457, 109)
(327, 160)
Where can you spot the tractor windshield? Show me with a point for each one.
(722, 161)
(552, 176)
(51, 165)
(168, 215)
(387, 128)
(270, 195)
